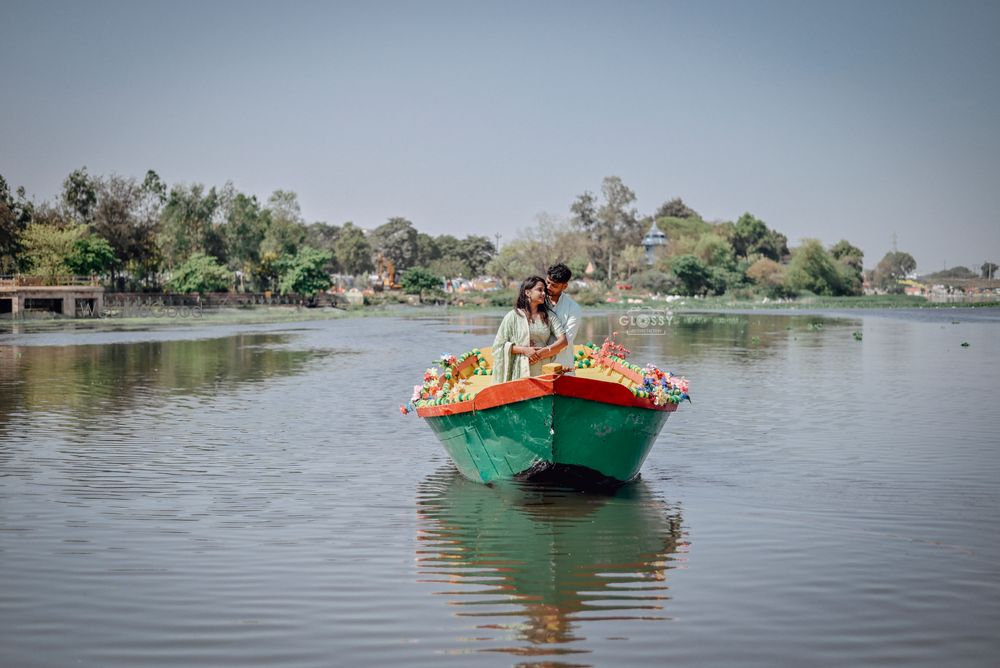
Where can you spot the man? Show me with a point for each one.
(566, 309)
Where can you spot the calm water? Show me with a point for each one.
(234, 496)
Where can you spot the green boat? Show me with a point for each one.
(592, 428)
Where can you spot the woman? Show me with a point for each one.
(521, 344)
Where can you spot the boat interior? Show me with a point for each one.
(466, 369)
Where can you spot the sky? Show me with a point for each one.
(869, 121)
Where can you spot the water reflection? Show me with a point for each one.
(105, 379)
(534, 565)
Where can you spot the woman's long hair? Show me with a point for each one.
(524, 304)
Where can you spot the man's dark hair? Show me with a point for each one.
(560, 273)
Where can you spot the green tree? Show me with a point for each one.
(267, 271)
(323, 236)
(769, 276)
(154, 186)
(893, 267)
(692, 274)
(47, 249)
(550, 241)
(449, 267)
(655, 281)
(427, 249)
(243, 231)
(960, 272)
(286, 231)
(683, 233)
(610, 225)
(476, 252)
(716, 254)
(584, 210)
(676, 208)
(848, 253)
(91, 255)
(304, 273)
(713, 250)
(126, 215)
(988, 270)
(80, 194)
(814, 269)
(354, 254)
(189, 224)
(199, 273)
(751, 236)
(558, 240)
(517, 260)
(447, 245)
(417, 280)
(632, 258)
(851, 259)
(15, 215)
(397, 241)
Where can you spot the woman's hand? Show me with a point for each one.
(539, 354)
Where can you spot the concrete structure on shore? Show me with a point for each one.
(21, 295)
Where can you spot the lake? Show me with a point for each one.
(251, 495)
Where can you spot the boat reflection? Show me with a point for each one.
(534, 564)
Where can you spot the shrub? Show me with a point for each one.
(417, 279)
(503, 298)
(693, 275)
(655, 281)
(589, 297)
(200, 273)
(814, 269)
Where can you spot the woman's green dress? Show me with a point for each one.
(515, 330)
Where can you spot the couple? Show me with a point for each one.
(542, 325)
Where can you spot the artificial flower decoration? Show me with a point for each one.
(448, 381)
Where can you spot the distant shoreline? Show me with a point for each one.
(262, 315)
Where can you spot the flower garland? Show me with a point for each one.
(660, 387)
(443, 383)
(446, 386)
(481, 367)
(611, 350)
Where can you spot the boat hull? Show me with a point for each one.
(559, 428)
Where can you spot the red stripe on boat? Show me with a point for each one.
(540, 386)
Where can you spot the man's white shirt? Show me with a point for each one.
(570, 314)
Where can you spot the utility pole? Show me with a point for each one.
(497, 236)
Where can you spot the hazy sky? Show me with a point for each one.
(832, 120)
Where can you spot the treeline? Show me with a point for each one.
(987, 270)
(605, 233)
(142, 235)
